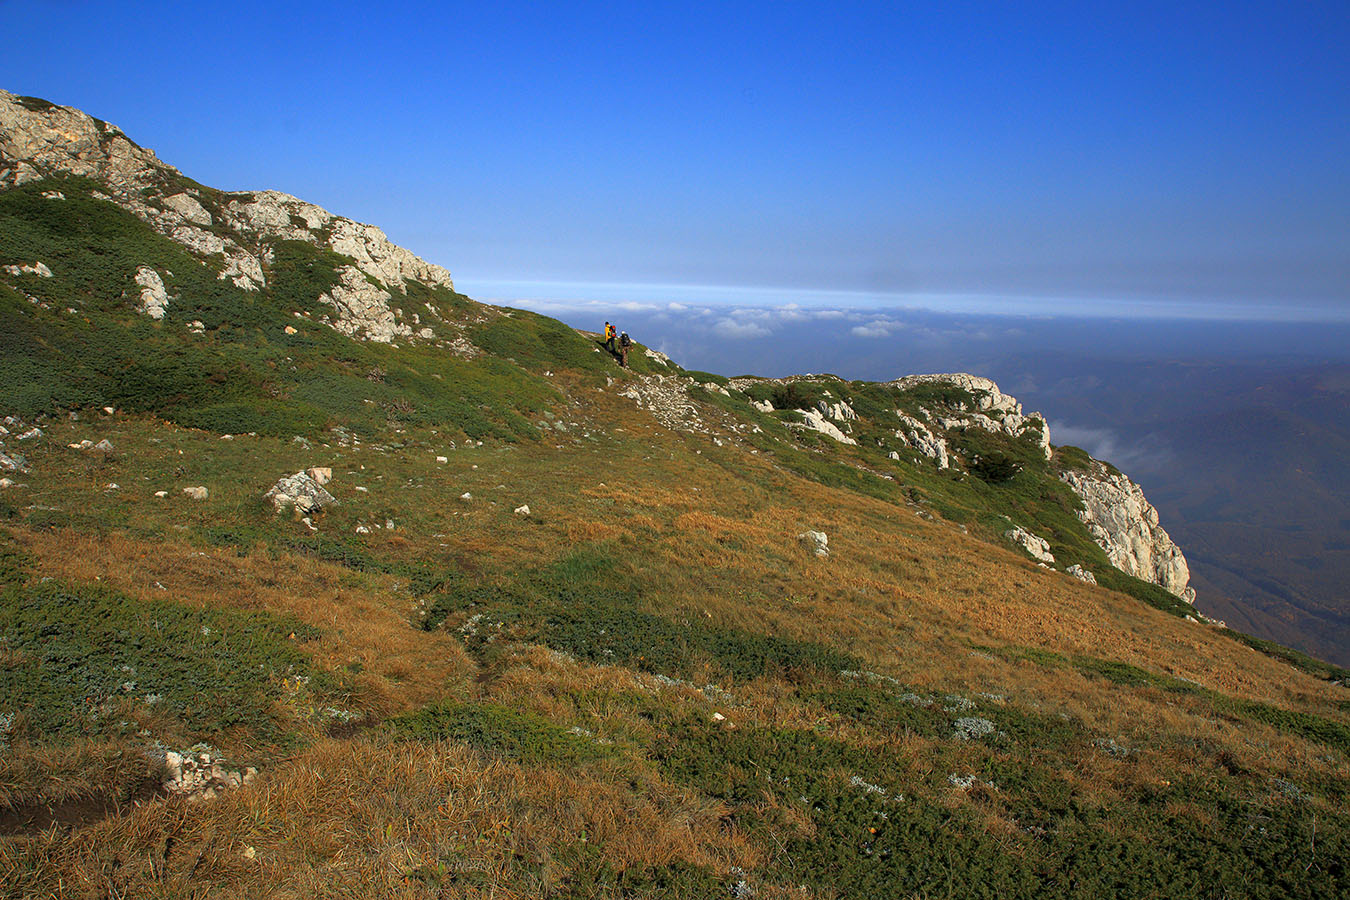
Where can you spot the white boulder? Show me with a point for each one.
(301, 492)
(816, 541)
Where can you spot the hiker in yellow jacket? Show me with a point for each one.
(610, 334)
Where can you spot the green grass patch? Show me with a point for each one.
(80, 655)
(516, 734)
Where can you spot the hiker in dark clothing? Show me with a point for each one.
(609, 337)
(624, 345)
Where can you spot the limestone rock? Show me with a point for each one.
(187, 206)
(154, 299)
(762, 405)
(13, 463)
(1125, 525)
(320, 474)
(816, 541)
(200, 773)
(1038, 547)
(38, 268)
(523, 510)
(817, 422)
(840, 412)
(363, 309)
(993, 410)
(1081, 573)
(301, 492)
(917, 435)
(195, 493)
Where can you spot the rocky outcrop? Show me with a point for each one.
(154, 299)
(814, 420)
(1081, 573)
(917, 435)
(992, 409)
(1125, 525)
(1038, 547)
(38, 268)
(231, 231)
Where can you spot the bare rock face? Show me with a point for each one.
(1125, 525)
(231, 231)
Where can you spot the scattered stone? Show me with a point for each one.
(523, 510)
(1038, 547)
(200, 773)
(466, 496)
(300, 491)
(112, 486)
(195, 493)
(1081, 573)
(6, 482)
(161, 494)
(361, 529)
(320, 474)
(291, 329)
(816, 541)
(442, 459)
(109, 410)
(105, 445)
(31, 433)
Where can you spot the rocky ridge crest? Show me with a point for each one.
(232, 232)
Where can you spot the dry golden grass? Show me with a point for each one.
(356, 818)
(362, 817)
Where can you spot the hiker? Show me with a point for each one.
(609, 337)
(624, 344)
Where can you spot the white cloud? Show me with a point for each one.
(728, 327)
(1147, 453)
(871, 330)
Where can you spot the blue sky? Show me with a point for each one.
(1078, 157)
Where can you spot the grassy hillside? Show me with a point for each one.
(646, 687)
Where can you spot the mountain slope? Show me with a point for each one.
(560, 629)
